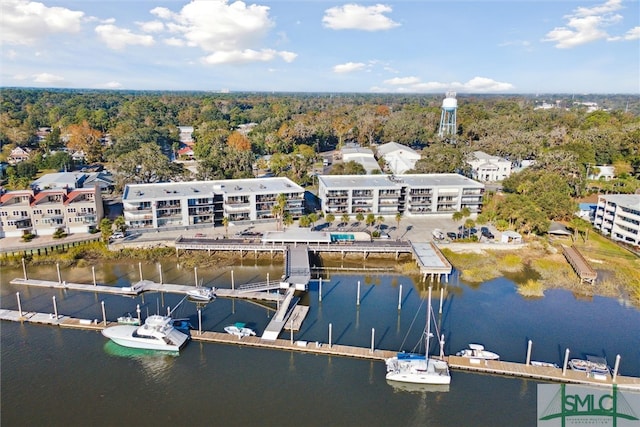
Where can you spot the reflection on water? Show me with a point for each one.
(401, 387)
(155, 363)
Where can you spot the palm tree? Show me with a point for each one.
(225, 223)
(371, 220)
(380, 220)
(279, 208)
(345, 218)
(359, 217)
(287, 219)
(398, 219)
(329, 218)
(457, 216)
(313, 218)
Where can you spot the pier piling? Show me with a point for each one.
(58, 270)
(104, 313)
(199, 321)
(330, 327)
(93, 273)
(566, 360)
(320, 291)
(400, 298)
(358, 295)
(529, 352)
(24, 269)
(615, 368)
(140, 269)
(19, 304)
(373, 338)
(55, 307)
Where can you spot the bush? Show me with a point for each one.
(28, 237)
(59, 233)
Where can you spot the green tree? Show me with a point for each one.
(120, 224)
(146, 165)
(329, 218)
(345, 218)
(225, 223)
(105, 229)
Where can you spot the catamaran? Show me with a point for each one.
(419, 368)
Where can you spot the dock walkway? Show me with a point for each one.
(493, 367)
(580, 265)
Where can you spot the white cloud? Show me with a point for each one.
(632, 34)
(356, 17)
(246, 56)
(396, 81)
(111, 85)
(349, 67)
(24, 22)
(117, 38)
(585, 25)
(475, 85)
(151, 26)
(47, 78)
(229, 32)
(10, 54)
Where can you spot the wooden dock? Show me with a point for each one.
(147, 286)
(492, 367)
(580, 265)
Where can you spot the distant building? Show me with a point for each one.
(363, 156)
(186, 134)
(618, 216)
(19, 154)
(398, 158)
(602, 172)
(412, 195)
(44, 212)
(485, 167)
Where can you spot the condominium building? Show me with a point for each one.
(183, 204)
(413, 194)
(618, 215)
(44, 212)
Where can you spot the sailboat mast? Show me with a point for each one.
(426, 349)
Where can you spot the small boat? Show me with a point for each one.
(128, 320)
(240, 330)
(592, 365)
(477, 351)
(157, 333)
(202, 294)
(543, 364)
(414, 368)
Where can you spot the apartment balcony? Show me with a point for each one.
(237, 208)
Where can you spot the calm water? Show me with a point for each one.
(53, 376)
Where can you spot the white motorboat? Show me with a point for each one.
(157, 333)
(202, 293)
(477, 351)
(128, 320)
(592, 365)
(240, 330)
(419, 368)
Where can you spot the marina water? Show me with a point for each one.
(54, 376)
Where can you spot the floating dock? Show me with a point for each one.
(493, 367)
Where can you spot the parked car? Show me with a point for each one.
(484, 231)
(452, 235)
(118, 235)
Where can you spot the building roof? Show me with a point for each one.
(386, 181)
(628, 200)
(391, 147)
(59, 180)
(273, 185)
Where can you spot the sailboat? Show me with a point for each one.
(418, 368)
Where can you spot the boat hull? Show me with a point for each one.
(417, 370)
(126, 336)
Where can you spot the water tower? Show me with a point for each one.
(448, 117)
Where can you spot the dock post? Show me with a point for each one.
(373, 338)
(529, 352)
(330, 327)
(615, 368)
(358, 295)
(140, 269)
(93, 273)
(58, 269)
(442, 346)
(320, 291)
(195, 272)
(104, 314)
(291, 328)
(441, 299)
(55, 307)
(400, 298)
(19, 304)
(24, 269)
(199, 321)
(267, 279)
(566, 360)
(138, 311)
(233, 286)
(160, 270)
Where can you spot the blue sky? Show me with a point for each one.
(411, 46)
